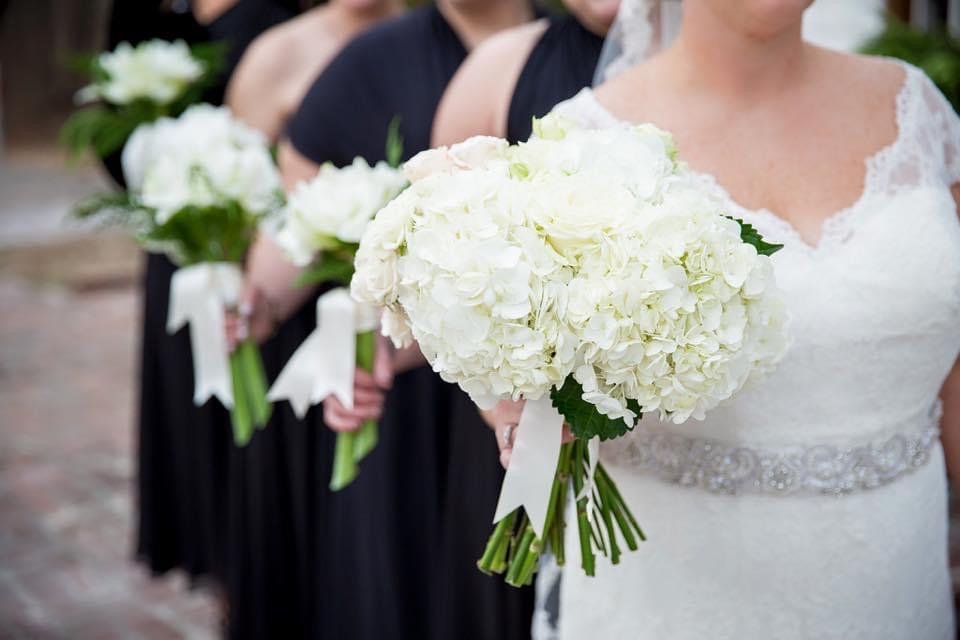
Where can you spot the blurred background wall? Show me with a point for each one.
(36, 39)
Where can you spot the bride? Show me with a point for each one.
(813, 504)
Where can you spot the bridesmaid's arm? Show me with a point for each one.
(270, 294)
(206, 11)
(255, 91)
(477, 100)
(950, 394)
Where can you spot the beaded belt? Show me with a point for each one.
(817, 470)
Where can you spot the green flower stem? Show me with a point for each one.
(240, 416)
(514, 548)
(354, 446)
(604, 477)
(494, 555)
(251, 408)
(524, 549)
(605, 508)
(344, 464)
(256, 383)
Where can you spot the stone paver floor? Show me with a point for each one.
(67, 366)
(68, 335)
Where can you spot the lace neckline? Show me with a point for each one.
(837, 227)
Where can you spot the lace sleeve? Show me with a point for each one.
(944, 131)
(584, 110)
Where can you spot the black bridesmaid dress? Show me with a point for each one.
(369, 561)
(183, 450)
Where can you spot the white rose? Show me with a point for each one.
(155, 70)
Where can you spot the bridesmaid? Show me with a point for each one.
(506, 82)
(268, 577)
(523, 73)
(377, 556)
(182, 449)
(280, 65)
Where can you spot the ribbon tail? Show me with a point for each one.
(197, 295)
(211, 359)
(324, 364)
(529, 479)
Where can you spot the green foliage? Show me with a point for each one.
(936, 53)
(751, 236)
(331, 266)
(584, 419)
(219, 233)
(104, 129)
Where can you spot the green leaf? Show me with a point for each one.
(751, 236)
(584, 419)
(330, 268)
(394, 151)
(218, 233)
(111, 207)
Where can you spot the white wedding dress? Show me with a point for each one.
(813, 504)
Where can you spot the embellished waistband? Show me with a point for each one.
(810, 470)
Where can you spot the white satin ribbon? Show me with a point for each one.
(593, 457)
(325, 363)
(198, 297)
(529, 478)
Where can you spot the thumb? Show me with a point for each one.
(383, 363)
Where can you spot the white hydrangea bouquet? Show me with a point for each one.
(199, 187)
(587, 273)
(134, 85)
(320, 231)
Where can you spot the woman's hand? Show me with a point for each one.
(369, 392)
(504, 419)
(251, 319)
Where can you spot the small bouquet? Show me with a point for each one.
(135, 85)
(588, 273)
(320, 230)
(200, 185)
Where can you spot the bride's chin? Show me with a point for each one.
(758, 18)
(597, 15)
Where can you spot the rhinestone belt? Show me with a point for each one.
(820, 469)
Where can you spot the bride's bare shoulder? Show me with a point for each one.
(862, 77)
(620, 94)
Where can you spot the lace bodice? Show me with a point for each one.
(813, 503)
(874, 305)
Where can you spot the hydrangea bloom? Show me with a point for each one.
(582, 253)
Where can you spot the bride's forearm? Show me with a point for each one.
(270, 273)
(950, 424)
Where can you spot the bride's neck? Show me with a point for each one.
(476, 20)
(724, 58)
